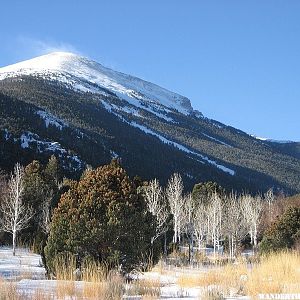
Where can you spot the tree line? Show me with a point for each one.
(127, 222)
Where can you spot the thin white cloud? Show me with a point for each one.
(28, 47)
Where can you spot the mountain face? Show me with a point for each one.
(87, 114)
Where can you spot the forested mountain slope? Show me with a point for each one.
(87, 114)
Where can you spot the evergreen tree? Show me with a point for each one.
(41, 191)
(284, 233)
(104, 217)
(35, 190)
(203, 191)
(52, 170)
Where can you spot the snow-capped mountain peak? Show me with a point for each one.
(79, 71)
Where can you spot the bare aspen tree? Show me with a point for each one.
(215, 220)
(174, 196)
(15, 215)
(188, 221)
(269, 198)
(252, 209)
(200, 226)
(44, 218)
(157, 206)
(234, 222)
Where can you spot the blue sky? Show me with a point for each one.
(238, 61)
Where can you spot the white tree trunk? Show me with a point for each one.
(14, 242)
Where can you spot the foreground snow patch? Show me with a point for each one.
(23, 265)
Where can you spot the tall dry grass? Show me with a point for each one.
(8, 290)
(65, 271)
(147, 288)
(97, 280)
(275, 273)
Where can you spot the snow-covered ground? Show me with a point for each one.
(51, 120)
(24, 265)
(27, 138)
(27, 273)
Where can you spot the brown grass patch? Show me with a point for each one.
(276, 273)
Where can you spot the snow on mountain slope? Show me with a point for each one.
(86, 75)
(272, 140)
(203, 159)
(60, 65)
(183, 148)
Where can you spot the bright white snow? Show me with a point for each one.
(28, 137)
(271, 140)
(51, 120)
(58, 65)
(183, 148)
(24, 263)
(217, 140)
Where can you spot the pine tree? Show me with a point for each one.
(203, 191)
(284, 233)
(52, 170)
(104, 217)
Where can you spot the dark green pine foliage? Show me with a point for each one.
(202, 191)
(284, 233)
(41, 190)
(104, 217)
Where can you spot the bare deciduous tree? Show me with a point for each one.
(215, 220)
(270, 199)
(156, 205)
(3, 185)
(234, 222)
(252, 210)
(15, 215)
(201, 225)
(174, 195)
(44, 218)
(188, 221)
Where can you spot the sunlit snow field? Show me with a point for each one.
(24, 275)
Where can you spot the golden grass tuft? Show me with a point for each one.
(40, 295)
(98, 282)
(8, 290)
(275, 273)
(65, 271)
(147, 288)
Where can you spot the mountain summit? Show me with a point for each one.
(86, 74)
(86, 114)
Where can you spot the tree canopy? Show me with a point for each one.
(104, 217)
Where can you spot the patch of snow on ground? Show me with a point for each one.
(24, 263)
(114, 154)
(28, 137)
(217, 140)
(7, 135)
(151, 107)
(51, 120)
(26, 270)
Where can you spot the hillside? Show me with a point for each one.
(87, 114)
